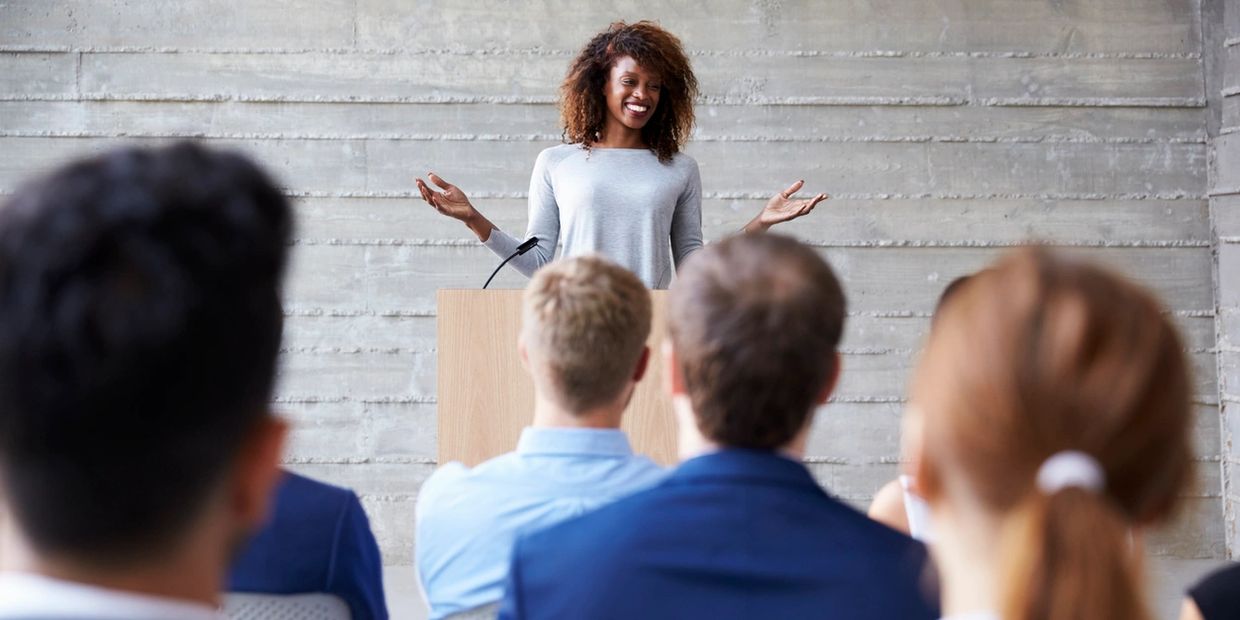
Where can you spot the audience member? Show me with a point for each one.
(741, 529)
(583, 341)
(898, 504)
(1056, 405)
(1217, 597)
(318, 540)
(140, 321)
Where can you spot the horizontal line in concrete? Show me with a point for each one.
(430, 400)
(1098, 102)
(1062, 102)
(391, 314)
(318, 400)
(1231, 42)
(373, 460)
(765, 196)
(566, 53)
(397, 351)
(859, 243)
(413, 314)
(485, 137)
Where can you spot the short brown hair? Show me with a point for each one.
(583, 106)
(755, 321)
(589, 320)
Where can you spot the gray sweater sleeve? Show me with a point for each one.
(544, 223)
(687, 219)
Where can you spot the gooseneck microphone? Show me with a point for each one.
(525, 246)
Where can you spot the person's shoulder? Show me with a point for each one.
(888, 507)
(555, 154)
(455, 479)
(447, 476)
(618, 518)
(1219, 589)
(682, 158)
(302, 494)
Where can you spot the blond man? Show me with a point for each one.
(585, 322)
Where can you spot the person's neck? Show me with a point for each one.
(691, 441)
(549, 414)
(192, 574)
(966, 550)
(616, 135)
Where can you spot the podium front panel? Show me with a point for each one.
(485, 395)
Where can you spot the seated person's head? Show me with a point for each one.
(754, 323)
(140, 321)
(584, 328)
(1040, 368)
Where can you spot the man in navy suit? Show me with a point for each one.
(318, 540)
(741, 529)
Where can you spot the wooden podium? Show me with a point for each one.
(486, 397)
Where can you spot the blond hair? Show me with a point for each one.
(588, 320)
(1041, 355)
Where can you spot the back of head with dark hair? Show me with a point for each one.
(755, 321)
(140, 321)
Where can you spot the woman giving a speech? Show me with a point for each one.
(620, 185)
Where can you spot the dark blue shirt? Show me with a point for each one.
(318, 540)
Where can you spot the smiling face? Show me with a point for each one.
(632, 94)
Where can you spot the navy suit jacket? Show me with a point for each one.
(733, 534)
(318, 540)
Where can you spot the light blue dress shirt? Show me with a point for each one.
(467, 519)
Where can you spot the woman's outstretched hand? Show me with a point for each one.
(782, 208)
(453, 203)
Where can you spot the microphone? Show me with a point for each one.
(525, 246)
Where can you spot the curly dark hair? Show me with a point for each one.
(584, 108)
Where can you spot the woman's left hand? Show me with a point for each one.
(782, 208)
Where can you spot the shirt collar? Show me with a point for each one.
(740, 464)
(26, 595)
(607, 442)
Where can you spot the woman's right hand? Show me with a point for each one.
(453, 203)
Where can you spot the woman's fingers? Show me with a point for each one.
(424, 190)
(792, 189)
(438, 180)
(808, 205)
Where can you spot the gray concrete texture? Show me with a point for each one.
(946, 132)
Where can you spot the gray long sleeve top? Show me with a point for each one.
(622, 203)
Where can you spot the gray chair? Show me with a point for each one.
(313, 606)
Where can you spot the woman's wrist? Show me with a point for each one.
(756, 225)
(480, 225)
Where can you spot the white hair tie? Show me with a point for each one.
(1070, 468)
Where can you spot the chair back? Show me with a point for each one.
(311, 606)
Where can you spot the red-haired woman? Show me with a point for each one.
(1056, 399)
(620, 186)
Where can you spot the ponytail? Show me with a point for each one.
(1067, 555)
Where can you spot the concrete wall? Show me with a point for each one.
(1223, 84)
(946, 131)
